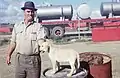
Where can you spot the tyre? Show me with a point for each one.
(58, 32)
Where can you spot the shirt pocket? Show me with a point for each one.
(33, 36)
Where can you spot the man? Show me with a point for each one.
(25, 40)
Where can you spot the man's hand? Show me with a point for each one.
(8, 58)
(9, 52)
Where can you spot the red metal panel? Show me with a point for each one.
(4, 29)
(105, 34)
(112, 24)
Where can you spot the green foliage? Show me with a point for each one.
(4, 41)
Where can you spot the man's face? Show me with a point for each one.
(29, 14)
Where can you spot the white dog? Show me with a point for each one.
(58, 55)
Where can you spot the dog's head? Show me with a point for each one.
(44, 47)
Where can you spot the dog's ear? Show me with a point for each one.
(50, 41)
(45, 40)
(47, 43)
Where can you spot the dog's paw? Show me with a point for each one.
(69, 75)
(53, 72)
(74, 71)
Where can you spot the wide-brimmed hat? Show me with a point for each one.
(29, 5)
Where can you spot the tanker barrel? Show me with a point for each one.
(55, 12)
(110, 7)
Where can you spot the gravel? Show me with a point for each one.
(111, 48)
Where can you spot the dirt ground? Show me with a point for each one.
(112, 48)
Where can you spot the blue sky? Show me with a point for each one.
(92, 3)
(10, 10)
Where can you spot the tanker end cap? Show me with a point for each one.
(84, 11)
(101, 9)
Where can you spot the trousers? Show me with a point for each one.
(27, 66)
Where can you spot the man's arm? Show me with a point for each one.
(11, 47)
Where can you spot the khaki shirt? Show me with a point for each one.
(26, 37)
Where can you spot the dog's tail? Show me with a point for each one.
(78, 60)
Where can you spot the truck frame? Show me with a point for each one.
(57, 29)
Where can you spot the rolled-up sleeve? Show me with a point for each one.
(13, 37)
(41, 33)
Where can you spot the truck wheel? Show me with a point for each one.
(57, 32)
(46, 32)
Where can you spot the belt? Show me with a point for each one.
(29, 55)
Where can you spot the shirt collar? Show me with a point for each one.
(32, 22)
